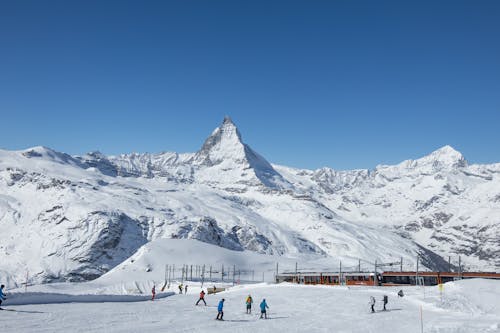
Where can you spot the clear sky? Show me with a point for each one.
(345, 84)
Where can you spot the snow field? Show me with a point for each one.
(466, 307)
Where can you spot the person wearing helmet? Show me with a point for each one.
(249, 302)
(220, 313)
(202, 298)
(263, 307)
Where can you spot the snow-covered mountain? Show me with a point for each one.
(76, 217)
(439, 201)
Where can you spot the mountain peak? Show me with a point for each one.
(224, 143)
(443, 158)
(225, 148)
(446, 156)
(227, 120)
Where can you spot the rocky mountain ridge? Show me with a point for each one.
(75, 217)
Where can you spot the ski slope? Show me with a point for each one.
(466, 306)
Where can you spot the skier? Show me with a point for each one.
(219, 309)
(400, 293)
(180, 289)
(372, 303)
(153, 292)
(215, 289)
(202, 298)
(385, 300)
(2, 295)
(249, 302)
(263, 307)
(186, 289)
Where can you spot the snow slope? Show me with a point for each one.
(467, 306)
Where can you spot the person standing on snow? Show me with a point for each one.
(249, 302)
(202, 298)
(372, 303)
(186, 289)
(263, 307)
(386, 300)
(180, 289)
(2, 295)
(220, 313)
(153, 292)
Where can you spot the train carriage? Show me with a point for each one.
(431, 278)
(330, 278)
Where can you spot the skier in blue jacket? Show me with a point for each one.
(2, 295)
(219, 308)
(263, 307)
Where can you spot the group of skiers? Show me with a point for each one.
(181, 286)
(263, 306)
(248, 302)
(385, 300)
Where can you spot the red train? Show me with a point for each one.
(330, 278)
(384, 279)
(430, 278)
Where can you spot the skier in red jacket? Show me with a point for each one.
(202, 298)
(153, 292)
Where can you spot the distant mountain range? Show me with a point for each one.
(74, 218)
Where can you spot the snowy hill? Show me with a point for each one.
(76, 217)
(439, 201)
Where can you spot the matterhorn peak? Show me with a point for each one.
(223, 144)
(225, 148)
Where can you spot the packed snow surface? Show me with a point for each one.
(463, 306)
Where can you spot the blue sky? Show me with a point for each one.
(345, 84)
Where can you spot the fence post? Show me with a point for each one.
(234, 273)
(340, 272)
(416, 273)
(459, 268)
(203, 276)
